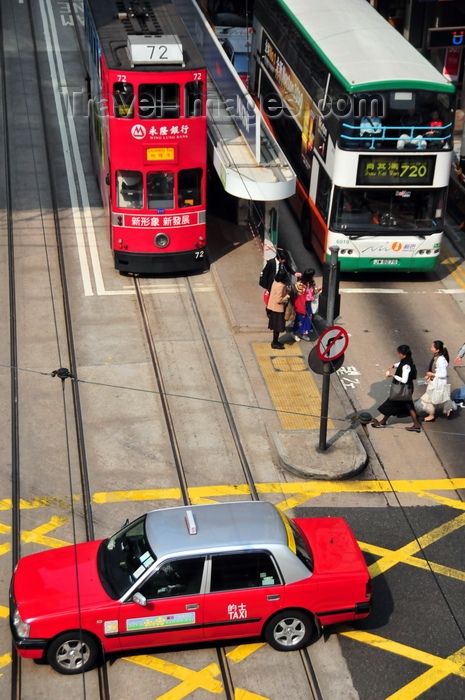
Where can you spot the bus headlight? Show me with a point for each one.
(161, 240)
(22, 628)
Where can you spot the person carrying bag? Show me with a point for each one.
(400, 403)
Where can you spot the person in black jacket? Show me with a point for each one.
(273, 266)
(405, 373)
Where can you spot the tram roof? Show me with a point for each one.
(364, 51)
(158, 17)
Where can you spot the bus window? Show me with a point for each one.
(129, 189)
(160, 190)
(379, 210)
(193, 99)
(189, 187)
(323, 193)
(123, 100)
(159, 101)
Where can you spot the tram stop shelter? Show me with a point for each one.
(248, 160)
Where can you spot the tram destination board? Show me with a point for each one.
(395, 170)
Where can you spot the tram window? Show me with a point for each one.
(129, 189)
(159, 101)
(193, 99)
(123, 100)
(323, 193)
(190, 187)
(160, 190)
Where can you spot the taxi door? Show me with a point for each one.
(174, 610)
(245, 590)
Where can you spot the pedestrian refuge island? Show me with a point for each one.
(248, 160)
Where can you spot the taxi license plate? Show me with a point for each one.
(385, 262)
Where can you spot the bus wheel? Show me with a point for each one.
(306, 229)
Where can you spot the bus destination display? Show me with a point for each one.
(395, 170)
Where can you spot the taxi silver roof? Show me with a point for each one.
(218, 525)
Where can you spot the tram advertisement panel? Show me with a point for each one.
(297, 102)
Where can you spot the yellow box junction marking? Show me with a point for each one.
(192, 680)
(440, 668)
(452, 263)
(293, 391)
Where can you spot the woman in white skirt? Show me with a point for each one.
(437, 393)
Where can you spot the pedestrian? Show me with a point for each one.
(279, 296)
(459, 397)
(401, 407)
(306, 294)
(437, 393)
(272, 266)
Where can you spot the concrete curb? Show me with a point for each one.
(298, 453)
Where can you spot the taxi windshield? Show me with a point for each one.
(124, 557)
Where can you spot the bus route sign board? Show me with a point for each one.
(332, 343)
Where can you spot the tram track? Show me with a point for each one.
(65, 348)
(247, 471)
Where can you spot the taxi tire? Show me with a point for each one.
(289, 630)
(61, 653)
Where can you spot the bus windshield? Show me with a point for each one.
(358, 211)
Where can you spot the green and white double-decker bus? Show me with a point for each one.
(367, 124)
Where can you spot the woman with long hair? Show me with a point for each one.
(405, 373)
(437, 393)
(278, 298)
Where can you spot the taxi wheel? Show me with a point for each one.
(73, 652)
(289, 630)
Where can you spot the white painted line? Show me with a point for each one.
(86, 209)
(76, 214)
(369, 290)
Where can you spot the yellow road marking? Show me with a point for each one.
(38, 533)
(243, 651)
(139, 495)
(314, 488)
(422, 657)
(290, 503)
(452, 263)
(4, 611)
(449, 502)
(293, 391)
(192, 680)
(5, 660)
(417, 545)
(431, 677)
(410, 560)
(440, 668)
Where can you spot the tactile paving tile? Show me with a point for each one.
(291, 385)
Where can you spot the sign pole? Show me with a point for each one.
(332, 284)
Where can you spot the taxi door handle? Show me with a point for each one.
(193, 606)
(275, 596)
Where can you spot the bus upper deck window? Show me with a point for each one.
(123, 100)
(129, 189)
(160, 190)
(190, 187)
(159, 101)
(194, 99)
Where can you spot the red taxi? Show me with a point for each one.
(189, 574)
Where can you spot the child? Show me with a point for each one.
(307, 291)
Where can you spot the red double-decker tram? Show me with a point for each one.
(148, 133)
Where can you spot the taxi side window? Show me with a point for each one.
(242, 570)
(176, 577)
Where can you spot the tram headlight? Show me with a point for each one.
(161, 240)
(22, 628)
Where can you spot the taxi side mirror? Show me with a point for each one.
(139, 599)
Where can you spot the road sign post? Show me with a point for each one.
(322, 446)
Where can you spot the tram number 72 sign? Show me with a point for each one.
(332, 343)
